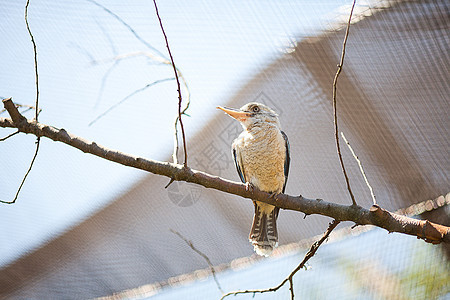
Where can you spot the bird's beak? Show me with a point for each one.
(235, 113)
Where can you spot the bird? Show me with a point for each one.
(262, 156)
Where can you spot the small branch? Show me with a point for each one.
(360, 168)
(211, 266)
(314, 247)
(136, 35)
(8, 136)
(36, 73)
(128, 97)
(377, 216)
(11, 108)
(118, 58)
(17, 117)
(27, 108)
(26, 174)
(291, 287)
(338, 72)
(179, 93)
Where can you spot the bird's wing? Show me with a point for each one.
(238, 163)
(287, 160)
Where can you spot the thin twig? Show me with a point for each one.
(37, 111)
(161, 57)
(314, 247)
(179, 93)
(8, 136)
(110, 69)
(339, 69)
(291, 287)
(128, 97)
(36, 74)
(26, 174)
(360, 168)
(28, 107)
(137, 36)
(211, 266)
(116, 59)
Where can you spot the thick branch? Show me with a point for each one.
(375, 216)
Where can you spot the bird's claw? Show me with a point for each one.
(249, 187)
(274, 196)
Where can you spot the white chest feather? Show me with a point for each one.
(262, 154)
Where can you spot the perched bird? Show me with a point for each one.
(261, 155)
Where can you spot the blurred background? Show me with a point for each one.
(84, 227)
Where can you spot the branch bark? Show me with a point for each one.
(376, 216)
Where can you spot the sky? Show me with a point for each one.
(88, 61)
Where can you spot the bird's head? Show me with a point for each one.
(253, 113)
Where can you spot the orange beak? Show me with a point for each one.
(234, 113)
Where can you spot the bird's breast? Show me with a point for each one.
(263, 154)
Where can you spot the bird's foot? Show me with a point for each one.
(274, 196)
(249, 187)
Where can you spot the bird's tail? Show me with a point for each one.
(264, 235)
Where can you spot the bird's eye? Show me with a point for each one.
(255, 109)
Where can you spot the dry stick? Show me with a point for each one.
(178, 89)
(38, 140)
(128, 97)
(140, 39)
(360, 168)
(314, 247)
(339, 69)
(211, 266)
(35, 60)
(161, 58)
(10, 135)
(28, 107)
(116, 59)
(392, 222)
(17, 120)
(110, 69)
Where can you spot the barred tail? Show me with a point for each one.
(264, 235)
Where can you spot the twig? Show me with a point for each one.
(137, 36)
(36, 74)
(360, 168)
(179, 95)
(211, 266)
(26, 174)
(8, 136)
(116, 59)
(161, 57)
(314, 247)
(291, 287)
(430, 232)
(339, 69)
(37, 111)
(128, 97)
(28, 107)
(110, 69)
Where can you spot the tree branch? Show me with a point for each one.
(377, 216)
(361, 169)
(309, 254)
(15, 114)
(338, 72)
(180, 99)
(211, 266)
(128, 97)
